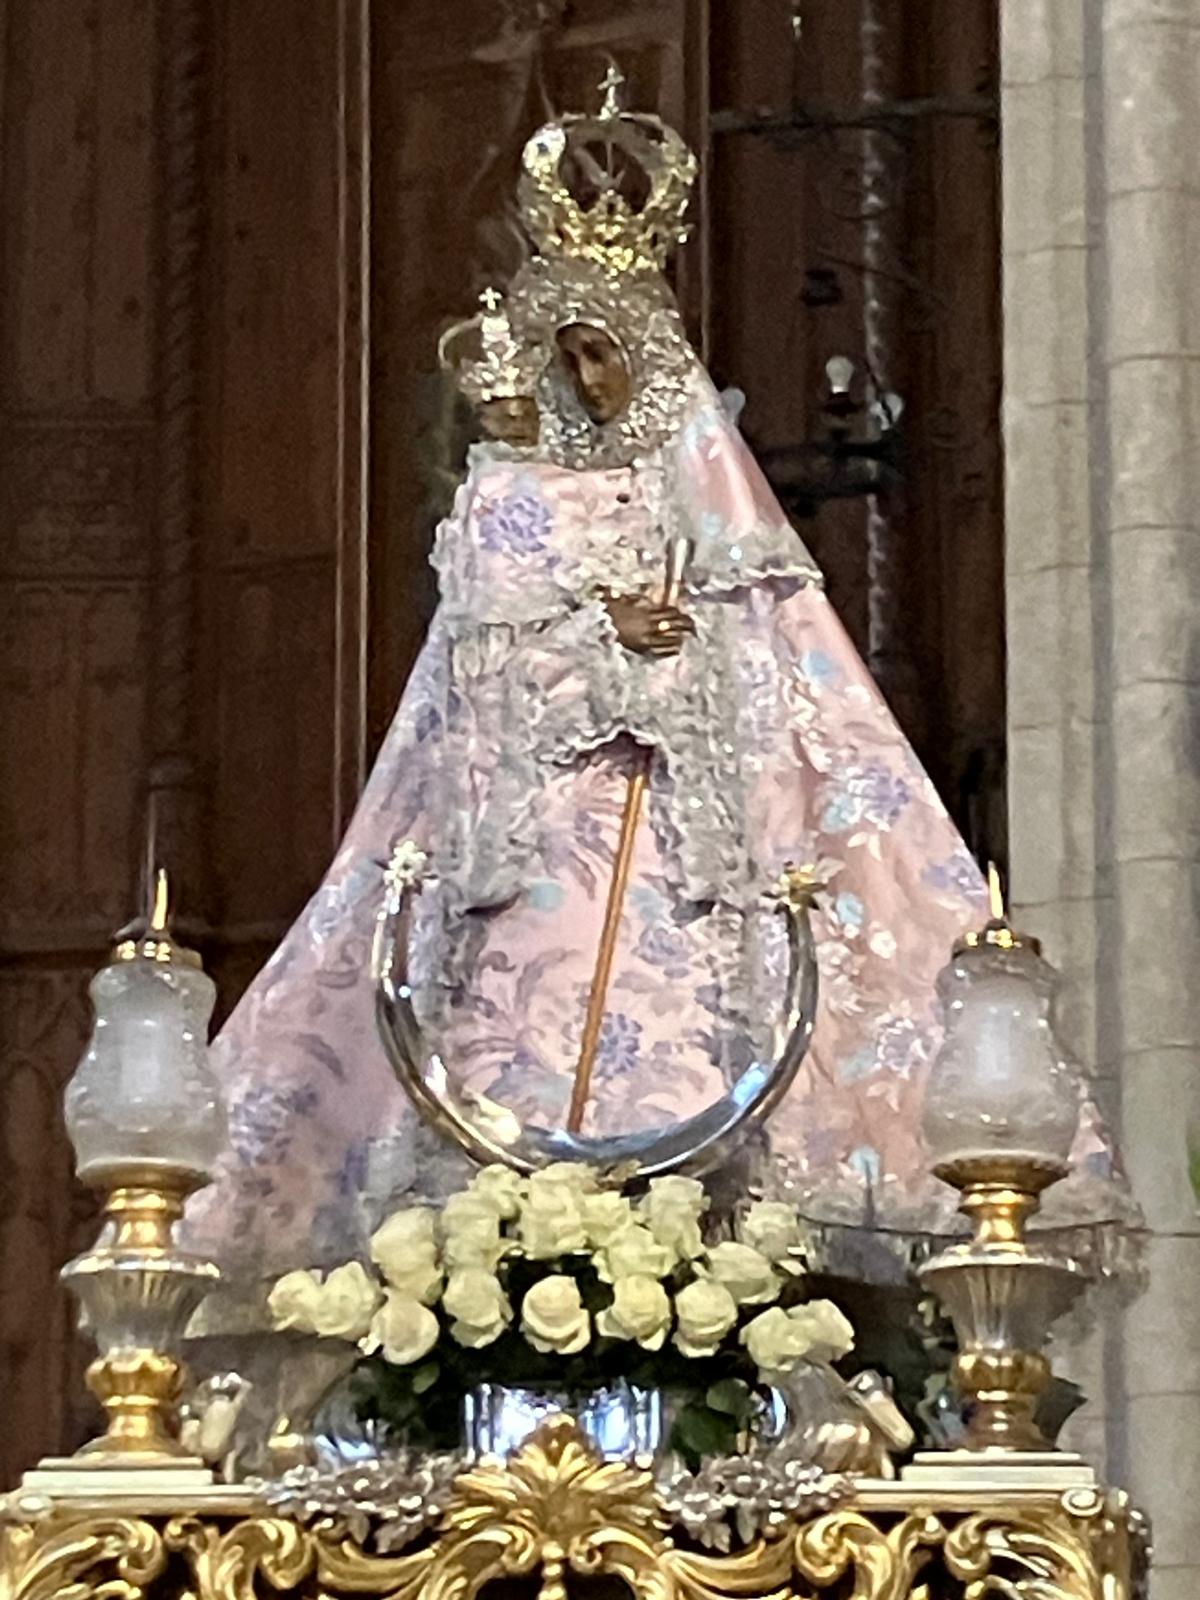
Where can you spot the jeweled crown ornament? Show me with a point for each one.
(573, 204)
(486, 358)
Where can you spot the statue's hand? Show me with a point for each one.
(649, 629)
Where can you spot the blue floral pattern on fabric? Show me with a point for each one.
(957, 874)
(517, 525)
(864, 793)
(620, 1044)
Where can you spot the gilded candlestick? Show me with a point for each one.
(145, 1119)
(1002, 1109)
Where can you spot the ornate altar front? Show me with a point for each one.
(555, 1519)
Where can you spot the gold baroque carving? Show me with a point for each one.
(100, 1558)
(883, 1563)
(227, 1564)
(557, 1509)
(1077, 1551)
(349, 1570)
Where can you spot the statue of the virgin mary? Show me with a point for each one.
(624, 607)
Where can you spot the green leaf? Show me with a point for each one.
(730, 1396)
(704, 1432)
(425, 1377)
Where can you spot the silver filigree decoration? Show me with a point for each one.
(638, 312)
(737, 1498)
(384, 1504)
(209, 1417)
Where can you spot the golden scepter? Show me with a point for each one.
(680, 554)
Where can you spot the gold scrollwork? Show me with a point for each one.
(1048, 1554)
(103, 1558)
(557, 1509)
(762, 1571)
(226, 1563)
(884, 1563)
(346, 1568)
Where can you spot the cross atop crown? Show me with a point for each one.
(612, 88)
(602, 224)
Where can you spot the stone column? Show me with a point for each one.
(1053, 431)
(1149, 835)
(1050, 332)
(1102, 417)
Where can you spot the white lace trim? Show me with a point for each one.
(565, 688)
(544, 679)
(759, 556)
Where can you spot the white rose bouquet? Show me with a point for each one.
(561, 1282)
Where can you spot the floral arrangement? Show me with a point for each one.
(562, 1283)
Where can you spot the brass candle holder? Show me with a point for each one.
(138, 1292)
(1001, 1113)
(144, 1116)
(1002, 1296)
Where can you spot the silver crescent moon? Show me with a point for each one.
(491, 1133)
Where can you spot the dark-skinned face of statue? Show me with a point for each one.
(512, 419)
(597, 370)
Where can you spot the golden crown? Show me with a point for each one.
(605, 225)
(486, 358)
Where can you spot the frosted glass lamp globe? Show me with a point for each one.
(143, 1094)
(1001, 1084)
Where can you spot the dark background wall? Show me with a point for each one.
(230, 234)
